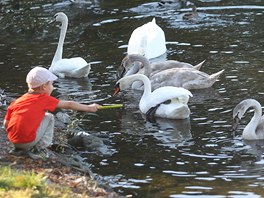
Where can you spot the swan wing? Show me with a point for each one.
(148, 40)
(177, 77)
(170, 93)
(72, 67)
(156, 42)
(169, 64)
(80, 72)
(173, 111)
(260, 128)
(137, 41)
(183, 77)
(174, 94)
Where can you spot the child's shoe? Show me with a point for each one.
(18, 152)
(39, 153)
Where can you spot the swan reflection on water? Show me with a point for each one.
(67, 86)
(171, 133)
(77, 89)
(257, 148)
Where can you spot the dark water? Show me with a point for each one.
(196, 157)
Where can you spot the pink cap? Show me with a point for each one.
(39, 76)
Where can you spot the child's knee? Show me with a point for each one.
(49, 116)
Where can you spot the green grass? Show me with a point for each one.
(24, 184)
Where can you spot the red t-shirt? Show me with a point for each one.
(25, 115)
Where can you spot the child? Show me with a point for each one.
(27, 121)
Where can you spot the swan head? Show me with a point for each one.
(131, 64)
(117, 88)
(241, 109)
(236, 121)
(59, 17)
(238, 112)
(126, 82)
(121, 85)
(128, 61)
(121, 70)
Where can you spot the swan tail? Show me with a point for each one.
(198, 66)
(216, 75)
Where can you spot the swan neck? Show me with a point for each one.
(252, 125)
(147, 67)
(146, 84)
(144, 61)
(59, 50)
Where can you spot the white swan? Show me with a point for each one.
(187, 77)
(255, 128)
(73, 67)
(148, 40)
(166, 102)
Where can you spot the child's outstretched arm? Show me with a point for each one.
(78, 106)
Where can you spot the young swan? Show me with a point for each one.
(177, 75)
(166, 102)
(255, 128)
(136, 63)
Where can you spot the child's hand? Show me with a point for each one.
(94, 107)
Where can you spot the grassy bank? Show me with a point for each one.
(21, 184)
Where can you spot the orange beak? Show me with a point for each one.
(117, 90)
